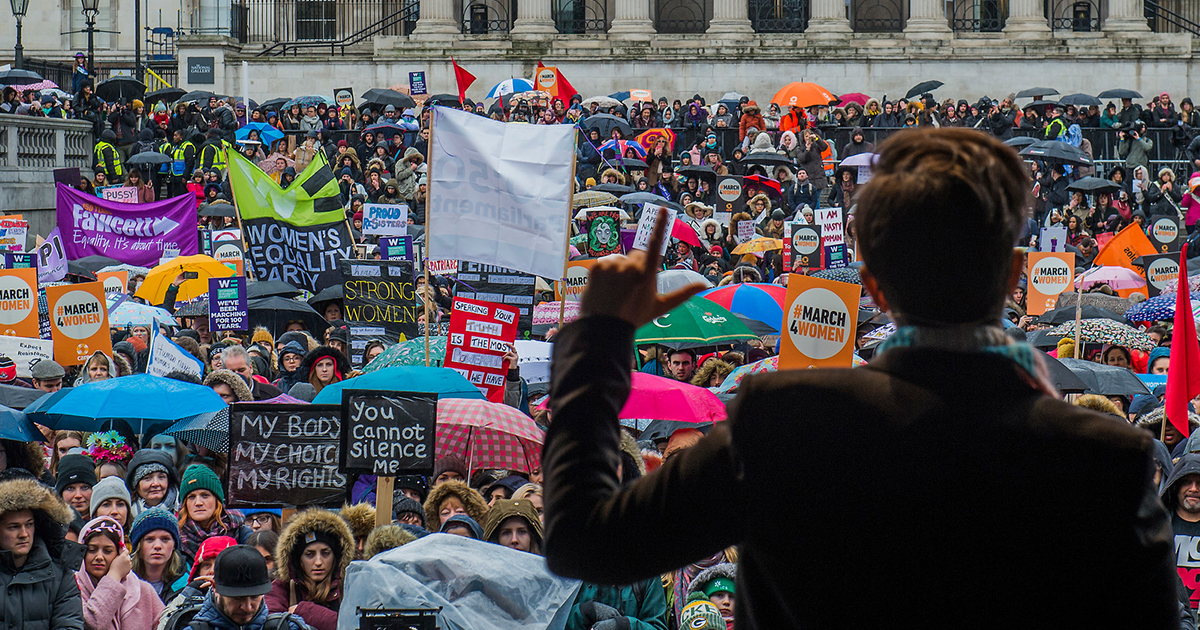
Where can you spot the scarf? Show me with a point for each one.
(169, 503)
(227, 525)
(133, 590)
(684, 577)
(1026, 360)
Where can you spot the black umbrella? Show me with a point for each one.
(96, 263)
(767, 158)
(757, 327)
(1055, 151)
(149, 157)
(120, 89)
(630, 164)
(1092, 185)
(442, 99)
(1037, 104)
(195, 308)
(1087, 311)
(616, 189)
(1036, 92)
(18, 76)
(388, 130)
(166, 95)
(923, 87)
(1020, 142)
(387, 97)
(326, 295)
(1119, 93)
(1080, 100)
(696, 170)
(1065, 381)
(659, 430)
(276, 313)
(605, 123)
(79, 273)
(266, 288)
(638, 198)
(274, 104)
(196, 96)
(20, 397)
(1106, 380)
(218, 210)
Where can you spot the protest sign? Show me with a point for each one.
(14, 231)
(396, 248)
(1053, 239)
(499, 193)
(388, 433)
(1166, 234)
(379, 301)
(833, 237)
(490, 283)
(385, 219)
(70, 176)
(745, 232)
(820, 317)
(731, 197)
(114, 281)
(26, 352)
(284, 455)
(166, 356)
(226, 234)
(120, 194)
(20, 260)
(804, 247)
(52, 258)
(1160, 269)
(292, 234)
(227, 304)
(442, 267)
(572, 287)
(533, 357)
(343, 97)
(229, 253)
(1050, 273)
(205, 238)
(416, 83)
(1125, 247)
(78, 321)
(480, 334)
(603, 229)
(134, 233)
(18, 303)
(645, 228)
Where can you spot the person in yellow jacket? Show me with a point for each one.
(183, 160)
(212, 152)
(107, 156)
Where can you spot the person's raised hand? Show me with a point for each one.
(121, 566)
(626, 287)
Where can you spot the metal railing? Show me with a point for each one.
(978, 16)
(878, 16)
(337, 27)
(485, 17)
(1077, 16)
(44, 143)
(1163, 19)
(779, 16)
(580, 17)
(681, 16)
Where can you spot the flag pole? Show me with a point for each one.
(562, 299)
(1079, 311)
(428, 223)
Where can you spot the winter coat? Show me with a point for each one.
(1135, 152)
(810, 160)
(1159, 203)
(287, 590)
(855, 148)
(41, 594)
(211, 613)
(150, 456)
(406, 175)
(643, 604)
(751, 117)
(107, 605)
(800, 195)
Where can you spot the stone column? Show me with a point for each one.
(437, 18)
(1026, 18)
(1125, 17)
(828, 17)
(632, 20)
(535, 17)
(730, 17)
(927, 18)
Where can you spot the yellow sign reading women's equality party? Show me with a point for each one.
(18, 303)
(820, 317)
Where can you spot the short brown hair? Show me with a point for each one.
(938, 222)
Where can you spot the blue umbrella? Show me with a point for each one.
(130, 313)
(267, 134)
(1161, 307)
(308, 101)
(15, 425)
(445, 382)
(141, 400)
(510, 86)
(620, 96)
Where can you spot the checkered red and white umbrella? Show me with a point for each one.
(488, 435)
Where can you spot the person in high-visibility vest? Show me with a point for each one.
(212, 152)
(107, 156)
(183, 160)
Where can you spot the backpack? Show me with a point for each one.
(183, 616)
(275, 621)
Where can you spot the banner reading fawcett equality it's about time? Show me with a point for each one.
(133, 233)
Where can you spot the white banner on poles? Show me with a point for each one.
(499, 193)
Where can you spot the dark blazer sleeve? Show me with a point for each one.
(595, 529)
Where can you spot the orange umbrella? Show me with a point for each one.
(803, 95)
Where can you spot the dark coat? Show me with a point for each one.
(967, 469)
(41, 594)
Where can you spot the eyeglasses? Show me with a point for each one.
(259, 518)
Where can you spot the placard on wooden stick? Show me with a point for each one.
(386, 434)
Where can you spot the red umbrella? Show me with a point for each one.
(683, 231)
(763, 182)
(854, 97)
(488, 435)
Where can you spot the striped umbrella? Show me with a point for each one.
(763, 302)
(509, 86)
(488, 435)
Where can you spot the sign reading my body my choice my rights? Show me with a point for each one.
(819, 319)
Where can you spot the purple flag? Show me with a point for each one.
(133, 233)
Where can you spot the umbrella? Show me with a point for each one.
(129, 313)
(762, 302)
(149, 158)
(1119, 93)
(154, 288)
(133, 270)
(697, 170)
(166, 95)
(273, 105)
(1092, 185)
(696, 320)
(1106, 331)
(621, 146)
(444, 382)
(141, 400)
(683, 231)
(1116, 277)
(732, 96)
(266, 133)
(735, 378)
(1110, 302)
(1106, 380)
(45, 87)
(638, 198)
(1159, 308)
(192, 308)
(81, 273)
(1067, 313)
(1064, 379)
(591, 198)
(385, 97)
(1020, 141)
(509, 86)
(120, 89)
(803, 95)
(657, 398)
(767, 158)
(759, 328)
(265, 288)
(605, 123)
(848, 275)
(218, 209)
(408, 353)
(488, 435)
(770, 185)
(1056, 151)
(604, 102)
(760, 244)
(630, 164)
(96, 263)
(443, 98)
(18, 76)
(860, 159)
(615, 189)
(276, 312)
(308, 101)
(582, 214)
(620, 96)
(197, 96)
(210, 430)
(1080, 100)
(387, 129)
(20, 397)
(922, 88)
(328, 294)
(1035, 92)
(675, 279)
(1193, 283)
(1040, 103)
(855, 97)
(651, 137)
(16, 426)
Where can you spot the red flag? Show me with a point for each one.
(464, 80)
(562, 87)
(1183, 371)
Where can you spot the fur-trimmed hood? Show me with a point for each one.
(726, 570)
(717, 235)
(630, 447)
(385, 538)
(233, 380)
(325, 524)
(360, 517)
(50, 513)
(1155, 418)
(341, 363)
(759, 197)
(471, 499)
(612, 171)
(706, 371)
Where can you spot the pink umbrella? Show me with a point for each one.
(488, 435)
(854, 97)
(683, 231)
(1116, 277)
(658, 398)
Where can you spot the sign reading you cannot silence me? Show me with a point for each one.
(388, 433)
(284, 455)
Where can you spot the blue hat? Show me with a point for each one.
(461, 520)
(252, 511)
(1158, 352)
(150, 520)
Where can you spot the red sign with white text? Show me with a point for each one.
(480, 334)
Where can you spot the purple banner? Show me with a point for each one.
(133, 233)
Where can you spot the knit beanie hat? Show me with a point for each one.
(143, 470)
(405, 505)
(450, 462)
(700, 614)
(75, 469)
(109, 488)
(200, 477)
(150, 520)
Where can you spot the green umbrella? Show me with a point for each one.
(411, 352)
(696, 320)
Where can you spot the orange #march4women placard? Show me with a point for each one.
(78, 321)
(819, 319)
